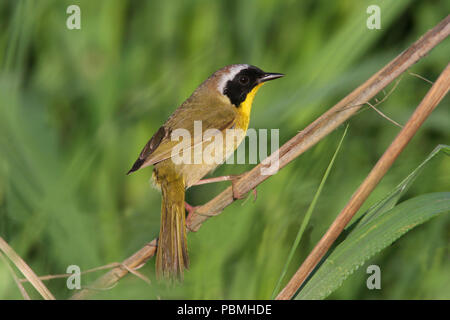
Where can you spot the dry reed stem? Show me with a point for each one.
(301, 142)
(26, 270)
(22, 290)
(431, 100)
(108, 266)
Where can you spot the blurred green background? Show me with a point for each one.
(77, 106)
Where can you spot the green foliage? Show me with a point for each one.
(370, 238)
(381, 225)
(77, 106)
(392, 198)
(308, 216)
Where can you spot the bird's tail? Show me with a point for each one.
(172, 256)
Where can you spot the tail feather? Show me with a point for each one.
(172, 256)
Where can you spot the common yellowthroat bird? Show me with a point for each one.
(222, 102)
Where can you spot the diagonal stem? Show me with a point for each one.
(26, 270)
(428, 104)
(22, 290)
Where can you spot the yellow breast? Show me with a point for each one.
(245, 108)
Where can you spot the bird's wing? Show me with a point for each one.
(160, 146)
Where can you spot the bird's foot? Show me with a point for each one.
(238, 196)
(191, 211)
(233, 179)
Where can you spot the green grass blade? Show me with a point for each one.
(392, 198)
(307, 216)
(371, 238)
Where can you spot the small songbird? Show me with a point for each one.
(222, 102)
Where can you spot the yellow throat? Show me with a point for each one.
(245, 108)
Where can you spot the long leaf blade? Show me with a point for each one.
(371, 238)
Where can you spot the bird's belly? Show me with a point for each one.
(212, 155)
(201, 159)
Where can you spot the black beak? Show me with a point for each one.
(270, 76)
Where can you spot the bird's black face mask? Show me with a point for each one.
(244, 82)
(238, 88)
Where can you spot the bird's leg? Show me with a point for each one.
(190, 209)
(233, 179)
(218, 179)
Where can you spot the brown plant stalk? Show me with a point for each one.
(22, 290)
(428, 104)
(26, 271)
(301, 142)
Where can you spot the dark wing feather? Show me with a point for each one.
(151, 146)
(159, 148)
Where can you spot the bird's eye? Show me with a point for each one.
(244, 80)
